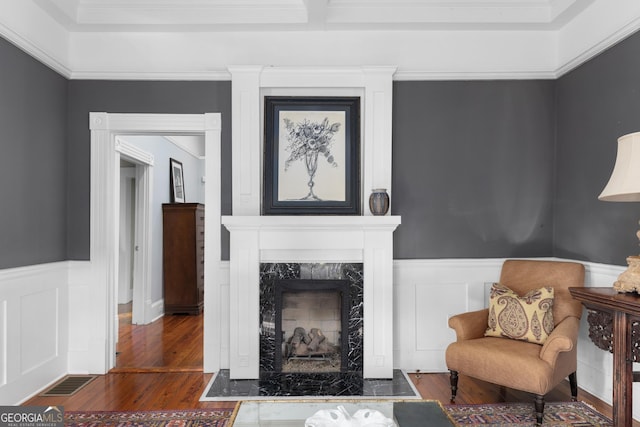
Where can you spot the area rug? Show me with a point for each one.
(182, 418)
(556, 414)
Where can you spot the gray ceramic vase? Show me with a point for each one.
(379, 201)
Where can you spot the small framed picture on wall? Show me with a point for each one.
(176, 181)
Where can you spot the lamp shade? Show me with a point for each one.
(624, 184)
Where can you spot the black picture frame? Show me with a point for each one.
(311, 156)
(176, 181)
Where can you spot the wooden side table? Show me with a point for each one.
(614, 320)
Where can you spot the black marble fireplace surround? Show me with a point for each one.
(346, 277)
(347, 383)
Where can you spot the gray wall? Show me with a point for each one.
(480, 168)
(473, 168)
(33, 101)
(597, 103)
(134, 97)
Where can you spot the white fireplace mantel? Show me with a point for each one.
(310, 222)
(256, 239)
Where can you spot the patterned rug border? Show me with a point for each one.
(520, 414)
(509, 414)
(204, 417)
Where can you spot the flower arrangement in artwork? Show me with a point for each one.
(307, 140)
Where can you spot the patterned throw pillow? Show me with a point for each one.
(526, 318)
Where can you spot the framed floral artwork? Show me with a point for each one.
(311, 156)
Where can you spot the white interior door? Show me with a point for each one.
(142, 245)
(126, 233)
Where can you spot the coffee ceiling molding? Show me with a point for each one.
(426, 39)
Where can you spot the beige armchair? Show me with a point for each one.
(522, 365)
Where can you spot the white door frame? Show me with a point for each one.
(104, 227)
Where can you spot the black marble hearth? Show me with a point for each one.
(329, 384)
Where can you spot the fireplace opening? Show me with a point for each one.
(312, 317)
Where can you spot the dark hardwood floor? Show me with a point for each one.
(159, 366)
(172, 343)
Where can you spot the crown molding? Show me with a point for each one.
(418, 75)
(525, 55)
(31, 48)
(400, 75)
(624, 32)
(150, 75)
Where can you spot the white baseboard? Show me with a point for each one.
(155, 310)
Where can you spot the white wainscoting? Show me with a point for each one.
(33, 321)
(428, 292)
(80, 316)
(44, 318)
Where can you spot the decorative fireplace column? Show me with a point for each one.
(316, 239)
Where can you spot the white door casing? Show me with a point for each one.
(104, 225)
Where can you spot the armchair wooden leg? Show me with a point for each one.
(454, 385)
(539, 404)
(573, 382)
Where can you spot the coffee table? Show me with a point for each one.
(285, 413)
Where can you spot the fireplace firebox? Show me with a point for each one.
(309, 318)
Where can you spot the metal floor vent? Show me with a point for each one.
(68, 385)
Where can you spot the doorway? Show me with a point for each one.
(144, 327)
(106, 151)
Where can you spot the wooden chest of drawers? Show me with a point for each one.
(183, 257)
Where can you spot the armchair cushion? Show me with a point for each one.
(518, 364)
(513, 363)
(527, 318)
